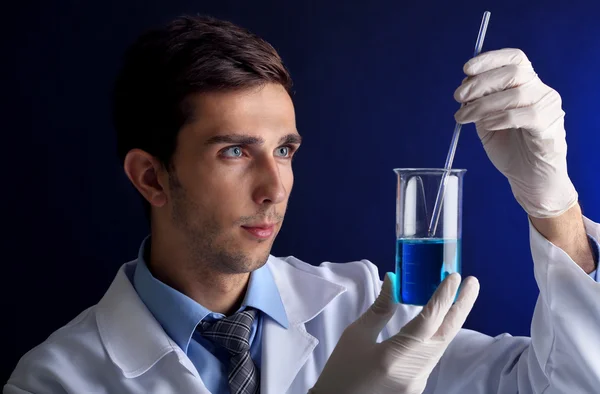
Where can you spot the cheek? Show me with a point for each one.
(220, 191)
(211, 189)
(226, 193)
(287, 178)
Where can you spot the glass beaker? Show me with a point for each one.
(423, 257)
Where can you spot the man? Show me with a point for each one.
(206, 132)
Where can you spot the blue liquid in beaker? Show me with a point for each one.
(422, 264)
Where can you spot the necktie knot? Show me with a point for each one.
(231, 332)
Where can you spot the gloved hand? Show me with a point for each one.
(401, 364)
(520, 122)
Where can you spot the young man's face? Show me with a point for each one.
(233, 175)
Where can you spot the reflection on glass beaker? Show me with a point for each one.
(424, 259)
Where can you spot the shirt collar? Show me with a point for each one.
(179, 315)
(263, 295)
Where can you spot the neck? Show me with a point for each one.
(170, 262)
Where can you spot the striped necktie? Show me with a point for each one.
(233, 333)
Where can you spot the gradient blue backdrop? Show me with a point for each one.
(373, 91)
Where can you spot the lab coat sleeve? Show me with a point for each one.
(562, 354)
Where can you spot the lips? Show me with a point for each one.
(261, 231)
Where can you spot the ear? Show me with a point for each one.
(148, 176)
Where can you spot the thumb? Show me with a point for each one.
(426, 323)
(376, 317)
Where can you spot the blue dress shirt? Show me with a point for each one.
(179, 315)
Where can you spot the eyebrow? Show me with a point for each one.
(245, 139)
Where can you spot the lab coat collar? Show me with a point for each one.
(304, 295)
(133, 338)
(135, 341)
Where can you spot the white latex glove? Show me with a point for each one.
(402, 363)
(520, 122)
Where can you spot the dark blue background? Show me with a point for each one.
(374, 84)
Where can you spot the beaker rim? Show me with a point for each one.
(431, 170)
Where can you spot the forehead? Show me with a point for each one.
(266, 109)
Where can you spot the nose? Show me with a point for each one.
(270, 188)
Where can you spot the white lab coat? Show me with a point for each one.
(117, 346)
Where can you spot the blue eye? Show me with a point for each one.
(235, 151)
(283, 151)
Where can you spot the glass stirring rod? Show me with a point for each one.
(437, 208)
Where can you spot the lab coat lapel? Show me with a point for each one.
(285, 351)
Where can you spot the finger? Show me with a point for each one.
(458, 313)
(493, 81)
(426, 324)
(495, 59)
(535, 118)
(377, 316)
(519, 97)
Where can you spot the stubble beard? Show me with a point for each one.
(207, 242)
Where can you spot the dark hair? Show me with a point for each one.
(165, 66)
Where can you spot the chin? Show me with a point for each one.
(248, 266)
(259, 264)
(259, 258)
(248, 259)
